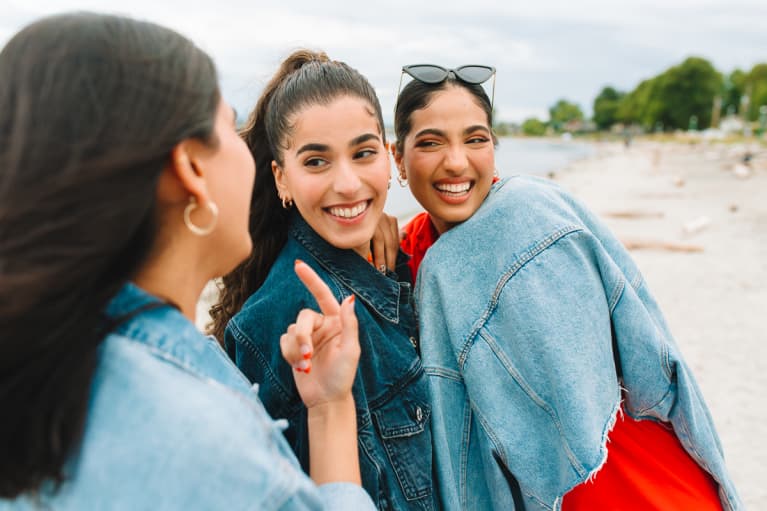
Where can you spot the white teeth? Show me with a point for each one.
(453, 188)
(349, 212)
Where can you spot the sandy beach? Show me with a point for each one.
(697, 222)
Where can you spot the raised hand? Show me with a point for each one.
(323, 348)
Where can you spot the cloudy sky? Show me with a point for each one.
(543, 49)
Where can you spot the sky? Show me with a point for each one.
(543, 50)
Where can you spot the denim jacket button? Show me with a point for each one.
(418, 414)
(414, 342)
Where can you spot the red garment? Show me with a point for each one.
(647, 468)
(420, 234)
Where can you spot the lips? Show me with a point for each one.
(348, 212)
(454, 191)
(454, 188)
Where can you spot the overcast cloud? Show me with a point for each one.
(543, 50)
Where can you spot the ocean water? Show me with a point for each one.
(512, 156)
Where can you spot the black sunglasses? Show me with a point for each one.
(473, 74)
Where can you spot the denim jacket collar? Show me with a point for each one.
(379, 291)
(170, 335)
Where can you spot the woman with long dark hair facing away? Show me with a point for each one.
(555, 381)
(124, 188)
(323, 173)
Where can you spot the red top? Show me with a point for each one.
(647, 468)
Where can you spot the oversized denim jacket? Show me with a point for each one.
(173, 425)
(390, 389)
(515, 309)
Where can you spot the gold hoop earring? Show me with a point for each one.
(200, 231)
(287, 202)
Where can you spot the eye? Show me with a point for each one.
(426, 143)
(365, 153)
(477, 139)
(315, 161)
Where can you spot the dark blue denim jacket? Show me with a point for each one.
(391, 390)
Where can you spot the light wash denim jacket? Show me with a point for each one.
(391, 390)
(173, 425)
(515, 308)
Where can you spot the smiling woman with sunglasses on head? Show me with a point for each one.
(539, 336)
(124, 188)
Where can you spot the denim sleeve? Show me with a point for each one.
(332, 496)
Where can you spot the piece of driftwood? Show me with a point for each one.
(660, 245)
(634, 215)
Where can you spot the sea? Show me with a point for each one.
(514, 155)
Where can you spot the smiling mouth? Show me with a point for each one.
(454, 189)
(348, 213)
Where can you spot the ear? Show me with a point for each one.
(398, 161)
(183, 176)
(279, 180)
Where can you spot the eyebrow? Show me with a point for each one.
(440, 133)
(476, 127)
(321, 148)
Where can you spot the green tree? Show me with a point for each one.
(688, 90)
(563, 112)
(643, 105)
(606, 107)
(734, 87)
(756, 85)
(533, 127)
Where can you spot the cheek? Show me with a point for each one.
(420, 165)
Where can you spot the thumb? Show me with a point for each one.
(349, 330)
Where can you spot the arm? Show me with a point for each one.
(324, 351)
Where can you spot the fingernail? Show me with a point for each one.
(351, 299)
(297, 262)
(306, 352)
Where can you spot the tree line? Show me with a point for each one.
(691, 95)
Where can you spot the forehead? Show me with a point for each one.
(453, 106)
(341, 116)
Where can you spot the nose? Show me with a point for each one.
(455, 159)
(346, 181)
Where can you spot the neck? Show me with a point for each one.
(172, 277)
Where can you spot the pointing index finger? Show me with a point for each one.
(321, 292)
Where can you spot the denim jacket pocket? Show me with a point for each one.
(403, 427)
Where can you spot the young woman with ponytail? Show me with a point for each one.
(322, 174)
(124, 188)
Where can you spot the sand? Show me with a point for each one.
(696, 218)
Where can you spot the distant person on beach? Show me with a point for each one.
(124, 188)
(322, 176)
(555, 381)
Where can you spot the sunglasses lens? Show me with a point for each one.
(426, 73)
(474, 74)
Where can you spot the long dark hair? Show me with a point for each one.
(92, 106)
(417, 95)
(304, 78)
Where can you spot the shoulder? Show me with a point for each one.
(177, 437)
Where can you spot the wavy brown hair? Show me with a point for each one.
(303, 79)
